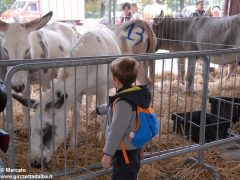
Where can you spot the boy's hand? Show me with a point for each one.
(106, 161)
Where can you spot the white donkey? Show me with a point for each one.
(31, 40)
(98, 42)
(136, 37)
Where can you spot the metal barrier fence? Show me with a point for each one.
(177, 112)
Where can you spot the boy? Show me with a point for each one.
(122, 119)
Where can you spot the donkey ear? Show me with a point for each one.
(43, 44)
(160, 17)
(58, 103)
(38, 23)
(161, 14)
(60, 100)
(32, 103)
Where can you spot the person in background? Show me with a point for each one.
(209, 12)
(216, 12)
(126, 15)
(199, 9)
(135, 13)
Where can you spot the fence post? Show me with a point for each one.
(206, 65)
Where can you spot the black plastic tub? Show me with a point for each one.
(215, 128)
(224, 106)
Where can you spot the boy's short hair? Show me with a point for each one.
(125, 69)
(126, 4)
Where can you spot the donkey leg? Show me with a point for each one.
(190, 74)
(231, 70)
(90, 100)
(75, 123)
(143, 75)
(26, 111)
(203, 68)
(152, 70)
(181, 70)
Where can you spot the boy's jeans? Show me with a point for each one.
(123, 171)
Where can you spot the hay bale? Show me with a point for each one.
(89, 149)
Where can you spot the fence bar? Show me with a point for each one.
(95, 170)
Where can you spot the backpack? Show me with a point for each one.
(146, 128)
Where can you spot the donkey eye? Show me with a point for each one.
(27, 54)
(4, 52)
(58, 94)
(43, 131)
(27, 51)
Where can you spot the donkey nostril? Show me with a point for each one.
(36, 164)
(19, 89)
(15, 88)
(33, 163)
(22, 87)
(44, 161)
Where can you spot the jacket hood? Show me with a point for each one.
(136, 95)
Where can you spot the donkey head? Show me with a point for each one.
(161, 27)
(47, 124)
(16, 44)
